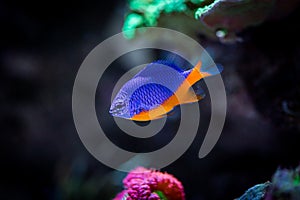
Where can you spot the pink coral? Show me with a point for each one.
(145, 184)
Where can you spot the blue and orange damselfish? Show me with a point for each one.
(157, 89)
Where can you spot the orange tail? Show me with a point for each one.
(197, 73)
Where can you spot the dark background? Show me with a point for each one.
(42, 157)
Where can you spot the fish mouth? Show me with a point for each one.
(114, 112)
(118, 113)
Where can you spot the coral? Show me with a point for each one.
(231, 15)
(146, 13)
(144, 184)
(285, 185)
(257, 192)
(234, 15)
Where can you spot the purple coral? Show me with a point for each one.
(146, 184)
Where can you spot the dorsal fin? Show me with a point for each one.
(154, 68)
(168, 63)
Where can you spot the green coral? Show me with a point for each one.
(197, 1)
(213, 14)
(202, 10)
(297, 180)
(147, 12)
(132, 22)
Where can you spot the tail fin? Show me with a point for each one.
(210, 70)
(199, 72)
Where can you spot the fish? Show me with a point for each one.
(158, 88)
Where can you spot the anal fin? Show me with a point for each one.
(193, 95)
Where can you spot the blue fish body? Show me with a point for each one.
(153, 92)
